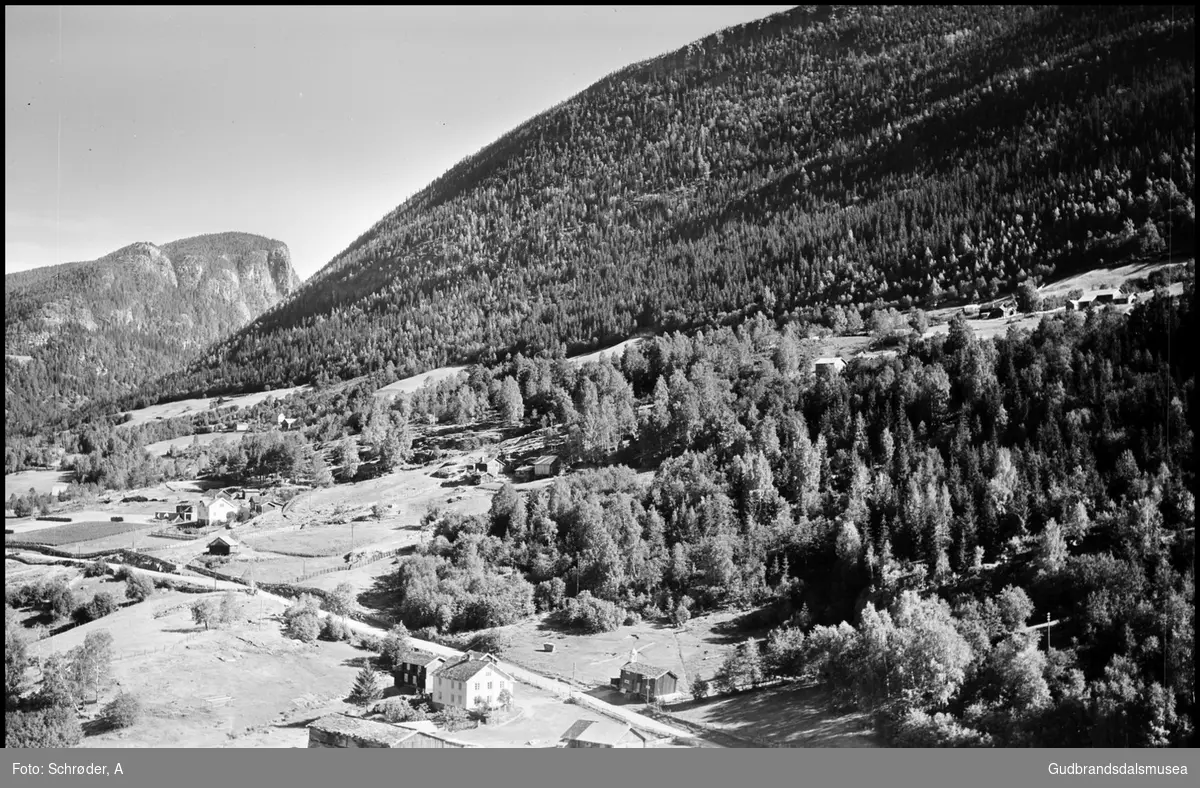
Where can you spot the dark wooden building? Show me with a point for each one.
(412, 668)
(648, 682)
(223, 545)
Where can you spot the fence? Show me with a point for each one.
(183, 536)
(122, 655)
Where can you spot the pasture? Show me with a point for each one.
(78, 532)
(197, 405)
(783, 716)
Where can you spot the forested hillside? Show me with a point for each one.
(849, 156)
(86, 332)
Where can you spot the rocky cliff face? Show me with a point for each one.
(101, 327)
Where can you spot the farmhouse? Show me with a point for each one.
(646, 681)
(285, 423)
(544, 466)
(223, 545)
(596, 733)
(490, 465)
(241, 426)
(471, 681)
(218, 509)
(412, 668)
(1006, 309)
(341, 731)
(1110, 296)
(829, 366)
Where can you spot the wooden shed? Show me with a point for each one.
(647, 682)
(601, 734)
(224, 544)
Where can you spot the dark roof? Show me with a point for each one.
(598, 732)
(363, 730)
(642, 669)
(415, 656)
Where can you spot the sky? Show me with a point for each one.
(303, 124)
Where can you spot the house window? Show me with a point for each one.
(477, 686)
(439, 696)
(489, 685)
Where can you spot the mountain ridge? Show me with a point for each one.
(99, 328)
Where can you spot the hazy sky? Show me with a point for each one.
(302, 124)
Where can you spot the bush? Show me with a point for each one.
(369, 642)
(918, 729)
(102, 604)
(118, 519)
(401, 710)
(632, 618)
(138, 587)
(335, 630)
(97, 568)
(62, 603)
(54, 726)
(123, 711)
(302, 620)
(699, 688)
(204, 611)
(452, 718)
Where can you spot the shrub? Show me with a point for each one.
(54, 726)
(401, 710)
(118, 519)
(138, 587)
(97, 568)
(335, 630)
(682, 612)
(699, 688)
(62, 603)
(918, 729)
(302, 621)
(123, 711)
(452, 718)
(369, 642)
(366, 687)
(426, 633)
(396, 642)
(230, 608)
(123, 573)
(102, 604)
(632, 618)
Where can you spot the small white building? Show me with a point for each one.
(829, 366)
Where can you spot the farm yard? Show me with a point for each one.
(590, 661)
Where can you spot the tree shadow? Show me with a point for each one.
(304, 723)
(95, 727)
(357, 662)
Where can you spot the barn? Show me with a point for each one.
(600, 734)
(411, 669)
(223, 545)
(544, 466)
(648, 682)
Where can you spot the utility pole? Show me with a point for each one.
(1047, 632)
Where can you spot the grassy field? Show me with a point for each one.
(589, 661)
(411, 384)
(161, 448)
(185, 407)
(79, 532)
(786, 716)
(242, 686)
(41, 481)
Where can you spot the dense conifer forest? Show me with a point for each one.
(851, 156)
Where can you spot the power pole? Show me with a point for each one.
(1047, 632)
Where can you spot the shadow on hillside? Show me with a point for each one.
(797, 716)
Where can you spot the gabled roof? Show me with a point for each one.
(466, 668)
(363, 730)
(546, 459)
(229, 540)
(642, 669)
(415, 656)
(599, 732)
